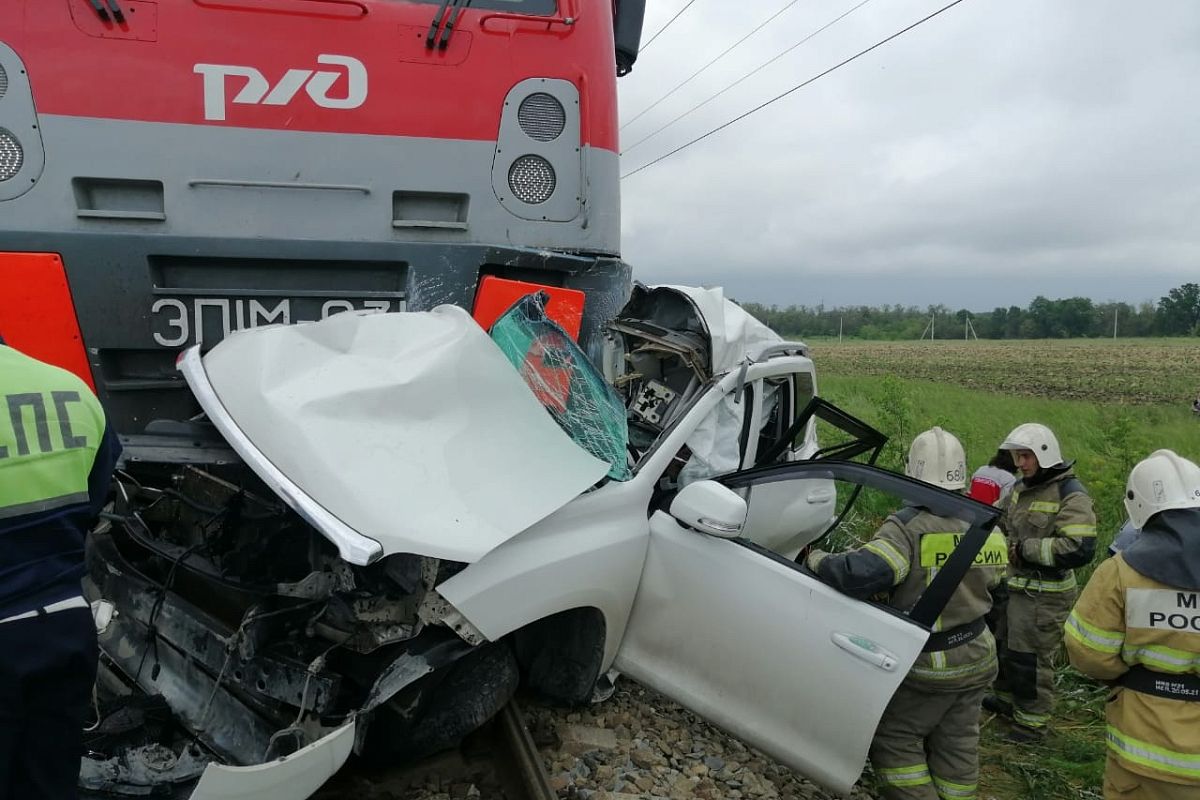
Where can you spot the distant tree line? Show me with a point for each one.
(1176, 314)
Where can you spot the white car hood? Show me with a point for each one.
(392, 433)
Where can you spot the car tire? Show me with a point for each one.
(473, 690)
(560, 656)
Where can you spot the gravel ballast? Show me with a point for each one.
(640, 744)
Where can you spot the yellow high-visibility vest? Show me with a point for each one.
(51, 426)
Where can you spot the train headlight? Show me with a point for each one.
(537, 168)
(531, 179)
(541, 117)
(11, 155)
(22, 155)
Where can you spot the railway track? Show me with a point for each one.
(501, 761)
(521, 757)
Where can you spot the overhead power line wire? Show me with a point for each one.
(724, 53)
(748, 75)
(642, 49)
(795, 88)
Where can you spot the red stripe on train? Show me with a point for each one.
(299, 71)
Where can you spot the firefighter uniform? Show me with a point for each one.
(1137, 625)
(1145, 635)
(927, 743)
(56, 460)
(1051, 529)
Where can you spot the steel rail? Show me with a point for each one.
(501, 757)
(525, 761)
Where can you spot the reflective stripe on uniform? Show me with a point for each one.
(1081, 530)
(916, 775)
(1045, 506)
(1185, 765)
(38, 506)
(1037, 585)
(1161, 658)
(1047, 552)
(937, 659)
(894, 558)
(1089, 635)
(944, 673)
(949, 790)
(1030, 720)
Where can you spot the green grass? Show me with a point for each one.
(1106, 440)
(1069, 764)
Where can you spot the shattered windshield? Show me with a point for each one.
(565, 382)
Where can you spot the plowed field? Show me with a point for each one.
(1134, 371)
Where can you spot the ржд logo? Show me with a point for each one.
(257, 91)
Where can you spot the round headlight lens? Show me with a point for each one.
(531, 179)
(542, 117)
(11, 155)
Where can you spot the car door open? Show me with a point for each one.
(785, 520)
(759, 646)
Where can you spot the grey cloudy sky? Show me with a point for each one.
(1004, 149)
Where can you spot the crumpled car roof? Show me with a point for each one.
(733, 335)
(411, 429)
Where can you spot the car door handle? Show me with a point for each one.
(820, 496)
(865, 649)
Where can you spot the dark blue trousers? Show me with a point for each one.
(47, 667)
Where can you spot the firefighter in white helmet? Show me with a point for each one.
(927, 743)
(1137, 624)
(1051, 529)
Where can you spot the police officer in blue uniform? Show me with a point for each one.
(57, 455)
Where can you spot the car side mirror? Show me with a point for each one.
(710, 508)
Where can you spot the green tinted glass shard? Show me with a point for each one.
(565, 382)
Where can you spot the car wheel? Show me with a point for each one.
(560, 656)
(472, 691)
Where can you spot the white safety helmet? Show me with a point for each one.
(1162, 481)
(937, 457)
(1038, 438)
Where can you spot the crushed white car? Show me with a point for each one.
(415, 535)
